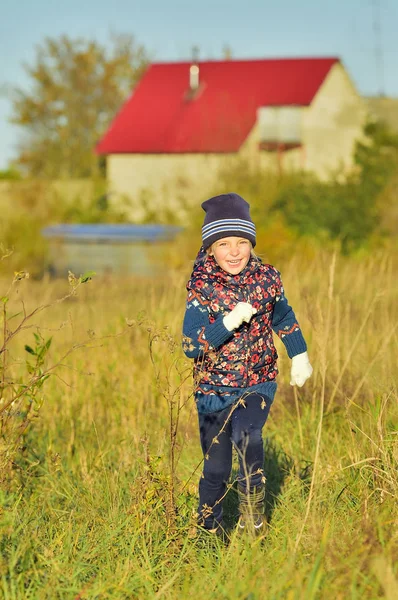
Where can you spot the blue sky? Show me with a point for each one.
(170, 28)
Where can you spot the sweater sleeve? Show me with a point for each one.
(198, 334)
(285, 325)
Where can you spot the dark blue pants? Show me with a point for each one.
(241, 429)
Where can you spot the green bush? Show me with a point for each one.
(10, 174)
(348, 209)
(336, 211)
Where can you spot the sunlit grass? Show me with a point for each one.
(87, 513)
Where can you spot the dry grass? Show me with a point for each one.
(88, 515)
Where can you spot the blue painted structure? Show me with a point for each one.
(108, 248)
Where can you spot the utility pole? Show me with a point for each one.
(378, 46)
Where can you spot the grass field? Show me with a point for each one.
(101, 497)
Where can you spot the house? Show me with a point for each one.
(185, 121)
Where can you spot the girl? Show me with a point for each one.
(234, 304)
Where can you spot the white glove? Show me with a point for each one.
(243, 311)
(301, 369)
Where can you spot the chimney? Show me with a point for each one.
(193, 77)
(194, 70)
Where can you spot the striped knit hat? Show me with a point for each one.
(227, 215)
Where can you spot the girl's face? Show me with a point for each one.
(231, 253)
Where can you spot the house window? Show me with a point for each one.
(280, 127)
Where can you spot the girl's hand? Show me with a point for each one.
(243, 311)
(301, 369)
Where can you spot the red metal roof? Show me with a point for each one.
(159, 117)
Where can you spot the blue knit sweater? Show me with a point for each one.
(229, 364)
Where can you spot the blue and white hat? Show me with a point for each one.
(227, 215)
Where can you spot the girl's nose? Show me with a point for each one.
(234, 251)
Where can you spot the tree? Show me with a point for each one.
(377, 156)
(77, 87)
(348, 210)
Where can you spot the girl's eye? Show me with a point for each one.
(244, 242)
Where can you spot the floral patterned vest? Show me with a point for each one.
(249, 357)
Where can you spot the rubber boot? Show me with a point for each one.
(251, 510)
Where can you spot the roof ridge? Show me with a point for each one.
(246, 60)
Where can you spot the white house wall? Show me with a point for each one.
(332, 124)
(162, 182)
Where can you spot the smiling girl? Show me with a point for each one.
(234, 304)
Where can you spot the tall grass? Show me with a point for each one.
(88, 513)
